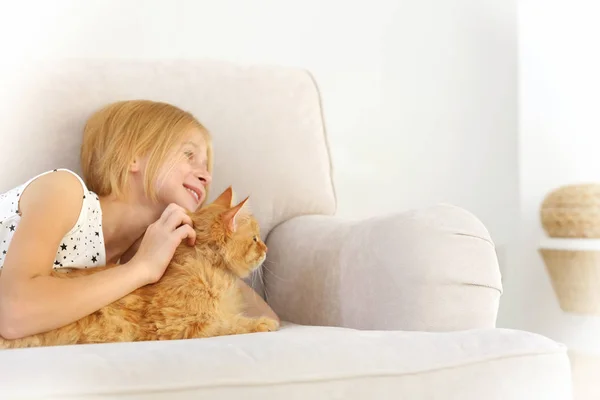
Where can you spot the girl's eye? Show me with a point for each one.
(189, 154)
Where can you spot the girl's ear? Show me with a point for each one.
(135, 165)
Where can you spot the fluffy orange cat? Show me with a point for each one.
(196, 297)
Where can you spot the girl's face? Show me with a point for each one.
(184, 180)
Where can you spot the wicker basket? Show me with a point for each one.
(572, 211)
(570, 215)
(575, 276)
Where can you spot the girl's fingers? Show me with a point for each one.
(186, 231)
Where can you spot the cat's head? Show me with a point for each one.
(232, 232)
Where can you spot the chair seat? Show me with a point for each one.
(298, 362)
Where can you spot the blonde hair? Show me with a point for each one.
(117, 133)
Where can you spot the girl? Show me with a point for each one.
(144, 164)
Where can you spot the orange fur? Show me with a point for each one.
(196, 297)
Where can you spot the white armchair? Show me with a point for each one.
(399, 306)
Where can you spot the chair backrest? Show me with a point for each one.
(266, 122)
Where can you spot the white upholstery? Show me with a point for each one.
(424, 270)
(298, 363)
(381, 274)
(266, 123)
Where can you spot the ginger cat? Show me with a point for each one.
(196, 297)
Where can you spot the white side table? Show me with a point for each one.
(574, 269)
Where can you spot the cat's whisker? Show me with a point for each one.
(260, 276)
(264, 287)
(273, 273)
(254, 277)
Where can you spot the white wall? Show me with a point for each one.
(419, 95)
(559, 143)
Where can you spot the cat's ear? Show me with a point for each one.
(225, 198)
(229, 216)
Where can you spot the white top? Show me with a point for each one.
(81, 247)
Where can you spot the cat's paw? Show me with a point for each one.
(265, 324)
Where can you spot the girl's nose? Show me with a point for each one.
(205, 177)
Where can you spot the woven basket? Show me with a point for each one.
(571, 214)
(575, 276)
(572, 211)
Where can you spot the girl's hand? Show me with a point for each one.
(160, 241)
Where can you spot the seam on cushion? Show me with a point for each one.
(476, 237)
(325, 139)
(482, 285)
(181, 388)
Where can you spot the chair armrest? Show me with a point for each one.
(433, 269)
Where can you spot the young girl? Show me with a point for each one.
(144, 164)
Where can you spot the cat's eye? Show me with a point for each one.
(255, 239)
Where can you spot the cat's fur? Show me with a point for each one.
(196, 297)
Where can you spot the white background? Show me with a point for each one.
(419, 97)
(559, 143)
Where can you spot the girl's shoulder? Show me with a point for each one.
(58, 175)
(58, 202)
(59, 183)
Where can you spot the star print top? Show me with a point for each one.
(81, 247)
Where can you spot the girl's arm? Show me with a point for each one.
(255, 305)
(33, 301)
(41, 303)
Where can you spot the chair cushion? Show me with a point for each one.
(299, 362)
(266, 123)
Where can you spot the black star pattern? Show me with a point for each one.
(78, 252)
